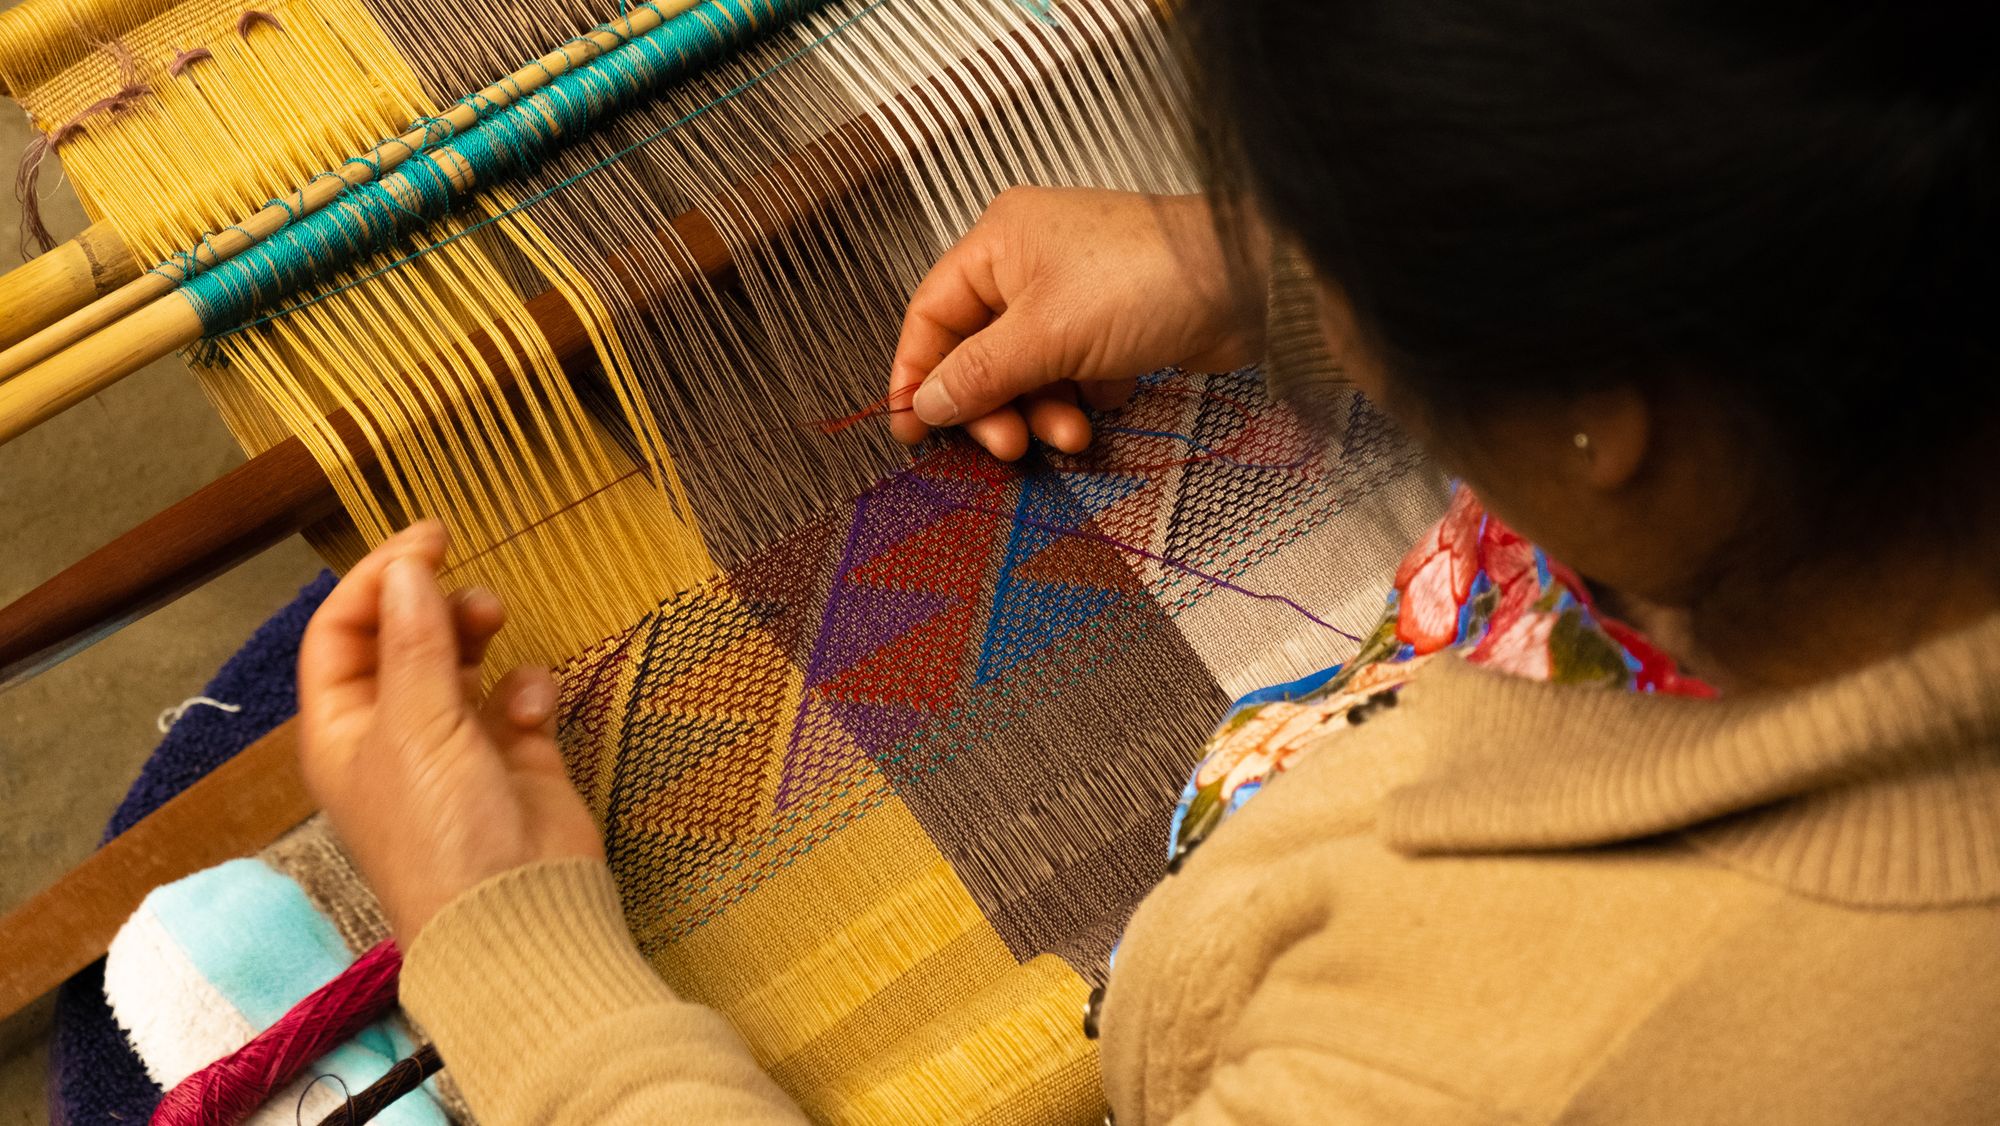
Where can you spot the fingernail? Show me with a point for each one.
(402, 583)
(535, 702)
(933, 406)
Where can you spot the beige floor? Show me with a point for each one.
(72, 738)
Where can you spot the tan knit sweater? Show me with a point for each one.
(1500, 901)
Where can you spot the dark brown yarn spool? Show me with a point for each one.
(402, 1078)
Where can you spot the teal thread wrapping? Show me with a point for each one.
(1043, 11)
(185, 264)
(513, 141)
(531, 200)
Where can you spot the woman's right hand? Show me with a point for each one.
(1061, 292)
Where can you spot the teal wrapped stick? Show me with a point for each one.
(509, 143)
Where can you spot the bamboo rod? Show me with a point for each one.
(43, 290)
(68, 316)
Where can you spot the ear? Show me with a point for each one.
(1614, 432)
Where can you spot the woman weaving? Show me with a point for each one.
(1689, 812)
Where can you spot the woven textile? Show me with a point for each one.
(886, 794)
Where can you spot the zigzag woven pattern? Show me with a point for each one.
(887, 792)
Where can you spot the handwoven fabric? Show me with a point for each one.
(886, 793)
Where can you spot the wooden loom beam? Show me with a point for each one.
(241, 806)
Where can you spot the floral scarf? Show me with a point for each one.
(1471, 586)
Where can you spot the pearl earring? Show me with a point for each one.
(1582, 441)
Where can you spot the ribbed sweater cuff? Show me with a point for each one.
(523, 961)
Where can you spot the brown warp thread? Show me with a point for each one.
(187, 59)
(27, 189)
(252, 17)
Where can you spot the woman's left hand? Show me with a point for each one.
(431, 789)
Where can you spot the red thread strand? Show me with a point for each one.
(230, 1089)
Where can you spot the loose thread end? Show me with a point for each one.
(35, 239)
(186, 58)
(27, 178)
(251, 17)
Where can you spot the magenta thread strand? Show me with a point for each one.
(230, 1089)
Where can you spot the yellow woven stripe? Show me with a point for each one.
(861, 1049)
(1016, 1043)
(867, 978)
(880, 873)
(878, 945)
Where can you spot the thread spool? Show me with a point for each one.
(228, 1090)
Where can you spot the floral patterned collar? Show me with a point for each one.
(1471, 586)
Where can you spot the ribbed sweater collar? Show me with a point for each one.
(1878, 788)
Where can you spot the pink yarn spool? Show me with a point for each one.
(228, 1090)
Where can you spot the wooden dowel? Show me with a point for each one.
(75, 313)
(38, 293)
(242, 806)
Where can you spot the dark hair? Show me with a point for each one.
(1793, 201)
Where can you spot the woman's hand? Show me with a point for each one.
(1058, 292)
(430, 790)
